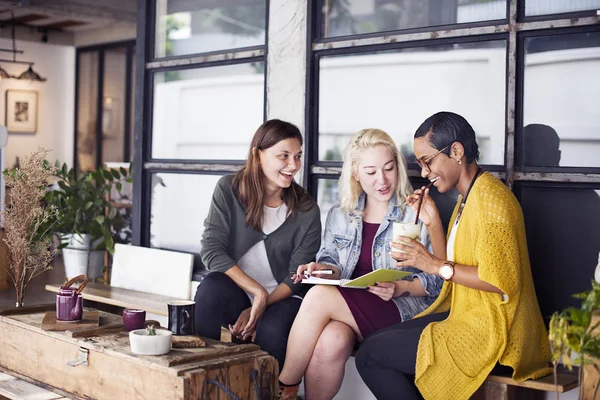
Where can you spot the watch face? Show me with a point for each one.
(446, 272)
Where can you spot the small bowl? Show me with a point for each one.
(150, 345)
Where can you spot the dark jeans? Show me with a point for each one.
(386, 360)
(219, 302)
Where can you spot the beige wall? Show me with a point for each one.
(56, 99)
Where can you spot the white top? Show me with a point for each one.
(451, 239)
(255, 262)
(450, 247)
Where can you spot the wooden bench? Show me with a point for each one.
(506, 388)
(501, 387)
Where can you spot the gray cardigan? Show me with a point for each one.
(227, 238)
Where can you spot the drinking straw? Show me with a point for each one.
(421, 202)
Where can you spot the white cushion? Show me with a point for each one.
(162, 272)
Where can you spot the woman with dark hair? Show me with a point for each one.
(260, 227)
(486, 317)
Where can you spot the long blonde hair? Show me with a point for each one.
(350, 188)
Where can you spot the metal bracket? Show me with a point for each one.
(82, 358)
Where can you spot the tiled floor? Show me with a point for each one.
(35, 292)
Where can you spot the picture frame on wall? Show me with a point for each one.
(21, 111)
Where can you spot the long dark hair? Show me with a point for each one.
(444, 128)
(249, 182)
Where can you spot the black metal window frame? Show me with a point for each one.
(129, 45)
(515, 29)
(147, 66)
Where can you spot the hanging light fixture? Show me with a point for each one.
(4, 74)
(29, 74)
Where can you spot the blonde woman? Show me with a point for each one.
(374, 188)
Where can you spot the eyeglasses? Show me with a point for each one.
(424, 164)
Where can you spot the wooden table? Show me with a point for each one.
(113, 372)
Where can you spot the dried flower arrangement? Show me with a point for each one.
(26, 221)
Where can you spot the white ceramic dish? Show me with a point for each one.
(150, 345)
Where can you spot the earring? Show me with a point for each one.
(458, 161)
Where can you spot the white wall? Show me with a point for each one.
(56, 99)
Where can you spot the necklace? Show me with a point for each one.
(464, 200)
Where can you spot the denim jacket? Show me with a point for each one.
(342, 243)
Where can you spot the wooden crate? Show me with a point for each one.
(113, 372)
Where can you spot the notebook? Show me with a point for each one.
(380, 275)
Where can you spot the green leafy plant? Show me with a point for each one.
(84, 207)
(572, 331)
(150, 330)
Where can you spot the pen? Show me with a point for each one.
(321, 272)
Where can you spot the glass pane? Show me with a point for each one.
(563, 236)
(396, 91)
(327, 196)
(344, 17)
(560, 111)
(87, 98)
(207, 113)
(113, 106)
(541, 7)
(190, 27)
(179, 207)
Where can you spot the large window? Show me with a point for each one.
(523, 72)
(204, 68)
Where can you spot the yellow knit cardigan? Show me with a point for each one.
(456, 355)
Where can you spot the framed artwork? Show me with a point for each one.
(21, 111)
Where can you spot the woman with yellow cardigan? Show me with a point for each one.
(486, 317)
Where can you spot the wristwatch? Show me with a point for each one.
(446, 271)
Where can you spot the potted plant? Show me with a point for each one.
(572, 330)
(87, 220)
(27, 222)
(150, 341)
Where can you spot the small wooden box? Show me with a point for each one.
(113, 372)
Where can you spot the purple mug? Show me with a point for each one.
(133, 319)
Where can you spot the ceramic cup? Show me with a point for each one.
(133, 318)
(69, 305)
(181, 317)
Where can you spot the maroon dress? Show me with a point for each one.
(370, 312)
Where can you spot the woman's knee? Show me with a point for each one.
(212, 287)
(319, 296)
(335, 343)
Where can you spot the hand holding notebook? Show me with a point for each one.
(380, 275)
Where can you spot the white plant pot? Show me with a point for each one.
(150, 345)
(75, 256)
(76, 263)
